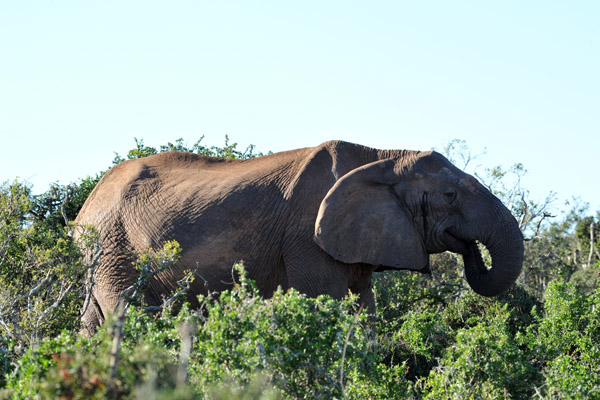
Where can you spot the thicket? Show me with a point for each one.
(435, 339)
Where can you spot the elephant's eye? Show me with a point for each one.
(450, 195)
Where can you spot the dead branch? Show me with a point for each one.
(591, 254)
(116, 350)
(65, 202)
(187, 340)
(356, 316)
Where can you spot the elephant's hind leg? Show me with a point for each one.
(92, 317)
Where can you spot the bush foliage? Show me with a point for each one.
(435, 339)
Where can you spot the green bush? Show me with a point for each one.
(80, 368)
(53, 210)
(298, 347)
(423, 338)
(565, 342)
(471, 309)
(130, 349)
(484, 363)
(229, 150)
(308, 347)
(41, 273)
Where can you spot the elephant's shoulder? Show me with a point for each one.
(318, 168)
(336, 156)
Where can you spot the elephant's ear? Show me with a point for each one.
(361, 220)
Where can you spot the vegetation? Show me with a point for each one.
(435, 338)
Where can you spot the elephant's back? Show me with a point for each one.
(168, 185)
(178, 179)
(140, 181)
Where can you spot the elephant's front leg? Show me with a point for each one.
(314, 272)
(361, 284)
(366, 299)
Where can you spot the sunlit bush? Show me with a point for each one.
(298, 347)
(484, 363)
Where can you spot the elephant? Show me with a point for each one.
(320, 219)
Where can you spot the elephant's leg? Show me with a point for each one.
(91, 317)
(110, 279)
(366, 298)
(101, 303)
(363, 286)
(313, 273)
(107, 282)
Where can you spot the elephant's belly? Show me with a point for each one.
(214, 270)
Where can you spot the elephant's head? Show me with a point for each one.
(393, 213)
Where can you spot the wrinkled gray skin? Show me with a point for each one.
(319, 219)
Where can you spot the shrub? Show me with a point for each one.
(567, 377)
(471, 309)
(41, 273)
(289, 345)
(80, 368)
(484, 363)
(422, 338)
(131, 348)
(565, 342)
(308, 347)
(229, 150)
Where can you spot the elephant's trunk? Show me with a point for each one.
(505, 244)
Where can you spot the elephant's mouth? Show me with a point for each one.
(469, 249)
(457, 245)
(445, 239)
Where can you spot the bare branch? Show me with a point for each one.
(116, 350)
(44, 283)
(65, 202)
(90, 267)
(11, 330)
(356, 316)
(57, 303)
(591, 254)
(187, 340)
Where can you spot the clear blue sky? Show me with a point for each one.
(80, 79)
